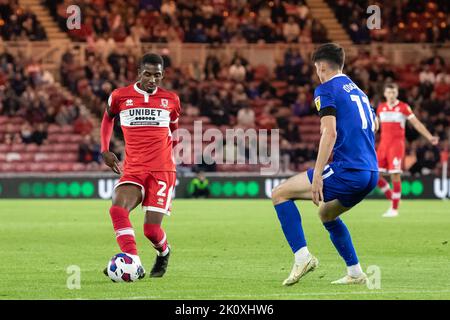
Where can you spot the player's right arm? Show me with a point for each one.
(420, 127)
(106, 131)
(326, 106)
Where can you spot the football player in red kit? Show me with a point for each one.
(392, 116)
(148, 116)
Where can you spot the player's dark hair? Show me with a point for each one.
(331, 53)
(391, 85)
(151, 58)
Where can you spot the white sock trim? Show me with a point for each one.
(396, 195)
(301, 255)
(164, 253)
(159, 244)
(355, 270)
(125, 231)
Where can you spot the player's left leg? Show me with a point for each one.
(283, 196)
(329, 213)
(157, 203)
(157, 236)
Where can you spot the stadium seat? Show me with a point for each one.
(36, 167)
(7, 167)
(4, 148)
(31, 147)
(22, 167)
(64, 167)
(18, 147)
(78, 167)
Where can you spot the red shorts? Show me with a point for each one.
(157, 189)
(390, 157)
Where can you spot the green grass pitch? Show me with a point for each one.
(222, 249)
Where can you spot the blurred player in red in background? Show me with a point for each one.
(392, 115)
(148, 116)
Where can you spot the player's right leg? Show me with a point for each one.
(283, 196)
(396, 195)
(126, 197)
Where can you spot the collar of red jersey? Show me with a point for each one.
(145, 93)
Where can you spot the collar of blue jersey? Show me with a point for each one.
(145, 93)
(337, 75)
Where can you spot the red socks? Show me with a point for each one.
(124, 229)
(396, 194)
(156, 235)
(125, 233)
(384, 187)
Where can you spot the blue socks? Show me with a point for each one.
(342, 240)
(291, 223)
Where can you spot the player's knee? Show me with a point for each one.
(324, 217)
(277, 195)
(123, 201)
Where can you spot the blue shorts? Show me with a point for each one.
(349, 186)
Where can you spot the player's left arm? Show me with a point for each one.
(327, 141)
(174, 116)
(420, 127)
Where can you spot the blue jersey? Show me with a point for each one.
(355, 123)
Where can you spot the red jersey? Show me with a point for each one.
(145, 120)
(392, 121)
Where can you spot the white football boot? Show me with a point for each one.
(362, 279)
(391, 213)
(299, 270)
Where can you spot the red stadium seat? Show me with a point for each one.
(22, 167)
(4, 147)
(7, 167)
(78, 167)
(45, 148)
(31, 147)
(75, 138)
(64, 167)
(18, 147)
(53, 128)
(36, 167)
(67, 129)
(41, 157)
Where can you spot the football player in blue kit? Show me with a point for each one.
(347, 126)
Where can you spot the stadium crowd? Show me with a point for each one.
(37, 110)
(223, 93)
(200, 21)
(18, 23)
(401, 21)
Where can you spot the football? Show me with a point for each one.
(123, 268)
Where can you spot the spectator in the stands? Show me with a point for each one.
(237, 71)
(26, 132)
(291, 30)
(83, 125)
(245, 118)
